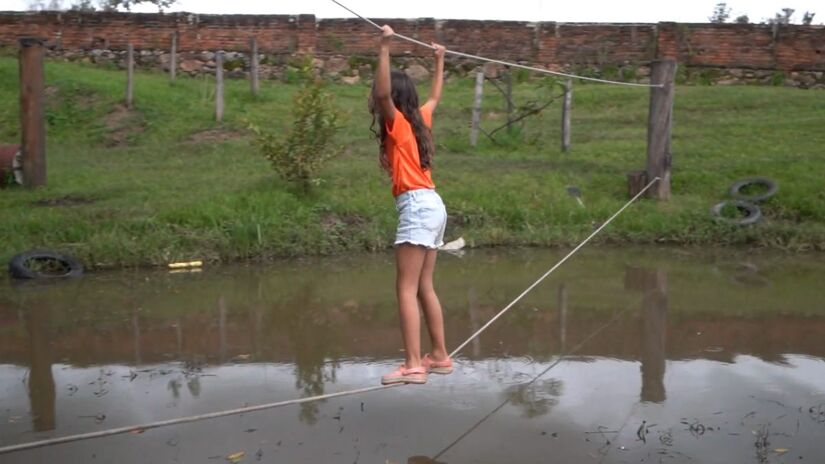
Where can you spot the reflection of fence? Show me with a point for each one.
(152, 338)
(653, 282)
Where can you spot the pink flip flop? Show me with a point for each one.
(403, 375)
(437, 367)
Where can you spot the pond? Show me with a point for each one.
(622, 355)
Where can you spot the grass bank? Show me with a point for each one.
(164, 182)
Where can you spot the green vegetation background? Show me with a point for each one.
(164, 182)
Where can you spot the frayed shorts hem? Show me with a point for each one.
(415, 243)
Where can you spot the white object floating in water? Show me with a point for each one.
(455, 245)
(185, 265)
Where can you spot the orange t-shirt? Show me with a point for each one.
(402, 153)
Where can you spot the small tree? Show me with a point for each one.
(743, 19)
(42, 5)
(114, 5)
(808, 18)
(783, 17)
(721, 13)
(299, 156)
(83, 5)
(94, 5)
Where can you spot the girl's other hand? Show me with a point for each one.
(386, 34)
(438, 50)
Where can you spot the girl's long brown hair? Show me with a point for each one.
(405, 99)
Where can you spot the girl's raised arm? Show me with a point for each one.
(383, 85)
(438, 78)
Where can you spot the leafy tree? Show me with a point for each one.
(114, 5)
(720, 14)
(743, 19)
(94, 5)
(808, 18)
(83, 5)
(42, 5)
(783, 17)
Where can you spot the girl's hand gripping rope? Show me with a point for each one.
(386, 34)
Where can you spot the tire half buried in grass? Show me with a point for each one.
(749, 213)
(42, 264)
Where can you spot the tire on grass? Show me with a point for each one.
(43, 264)
(752, 212)
(738, 186)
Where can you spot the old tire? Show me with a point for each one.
(752, 212)
(52, 265)
(736, 189)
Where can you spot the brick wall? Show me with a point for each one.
(601, 44)
(786, 48)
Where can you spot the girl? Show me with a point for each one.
(406, 153)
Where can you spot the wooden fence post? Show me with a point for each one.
(476, 119)
(253, 68)
(565, 116)
(173, 59)
(660, 119)
(636, 182)
(219, 86)
(130, 74)
(508, 95)
(32, 120)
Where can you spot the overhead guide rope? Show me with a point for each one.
(505, 63)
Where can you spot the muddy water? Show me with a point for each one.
(621, 356)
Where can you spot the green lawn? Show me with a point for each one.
(164, 182)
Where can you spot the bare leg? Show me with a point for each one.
(432, 307)
(409, 260)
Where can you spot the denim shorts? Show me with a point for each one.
(422, 218)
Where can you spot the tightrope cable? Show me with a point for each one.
(505, 63)
(562, 261)
(538, 376)
(261, 407)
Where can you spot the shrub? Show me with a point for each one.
(778, 78)
(299, 155)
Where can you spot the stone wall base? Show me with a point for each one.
(356, 69)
